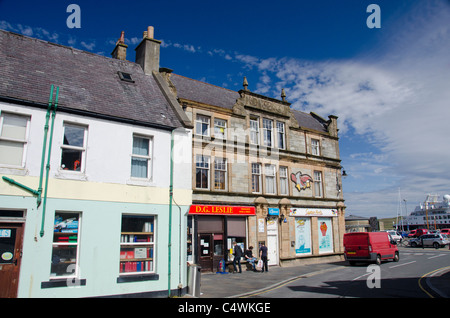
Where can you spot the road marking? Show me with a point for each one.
(362, 276)
(431, 274)
(436, 256)
(402, 264)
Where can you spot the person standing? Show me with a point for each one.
(237, 252)
(263, 257)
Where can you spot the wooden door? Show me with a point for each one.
(11, 237)
(205, 252)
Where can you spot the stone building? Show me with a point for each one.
(261, 172)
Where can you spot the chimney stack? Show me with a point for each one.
(120, 51)
(147, 52)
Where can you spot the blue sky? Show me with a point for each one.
(388, 86)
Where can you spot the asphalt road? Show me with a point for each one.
(414, 276)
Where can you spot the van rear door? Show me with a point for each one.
(356, 244)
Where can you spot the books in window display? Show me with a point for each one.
(133, 267)
(127, 238)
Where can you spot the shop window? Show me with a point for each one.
(73, 149)
(270, 179)
(284, 184)
(137, 244)
(303, 236)
(202, 172)
(65, 247)
(325, 232)
(202, 124)
(220, 128)
(13, 139)
(220, 174)
(256, 178)
(141, 158)
(318, 188)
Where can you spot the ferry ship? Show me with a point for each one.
(432, 214)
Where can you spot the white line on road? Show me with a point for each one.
(402, 264)
(436, 256)
(361, 276)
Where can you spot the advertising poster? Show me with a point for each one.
(325, 235)
(302, 235)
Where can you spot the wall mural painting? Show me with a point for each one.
(301, 181)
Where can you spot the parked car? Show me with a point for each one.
(369, 247)
(417, 233)
(395, 236)
(431, 240)
(445, 231)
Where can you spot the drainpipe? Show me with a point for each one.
(48, 163)
(47, 118)
(170, 210)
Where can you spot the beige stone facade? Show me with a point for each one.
(252, 150)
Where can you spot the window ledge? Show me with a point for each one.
(63, 282)
(137, 278)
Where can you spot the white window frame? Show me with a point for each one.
(146, 157)
(254, 131)
(267, 128)
(220, 167)
(256, 173)
(69, 147)
(284, 182)
(318, 185)
(315, 147)
(203, 163)
(270, 179)
(24, 141)
(146, 231)
(71, 272)
(218, 125)
(281, 135)
(199, 122)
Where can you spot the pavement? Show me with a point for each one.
(435, 284)
(250, 284)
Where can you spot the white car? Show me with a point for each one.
(395, 236)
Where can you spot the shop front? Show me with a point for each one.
(211, 231)
(316, 233)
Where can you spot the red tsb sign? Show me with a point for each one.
(222, 210)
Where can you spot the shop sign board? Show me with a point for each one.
(274, 211)
(312, 212)
(222, 210)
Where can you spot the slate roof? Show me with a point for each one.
(205, 93)
(87, 82)
(193, 90)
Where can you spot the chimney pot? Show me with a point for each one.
(150, 32)
(120, 51)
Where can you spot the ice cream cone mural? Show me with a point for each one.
(323, 228)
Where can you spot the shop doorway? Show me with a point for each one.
(11, 238)
(210, 251)
(272, 241)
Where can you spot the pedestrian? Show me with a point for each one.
(263, 257)
(248, 255)
(237, 252)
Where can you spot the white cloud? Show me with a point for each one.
(397, 97)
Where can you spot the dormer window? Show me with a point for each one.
(125, 77)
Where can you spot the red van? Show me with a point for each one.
(369, 247)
